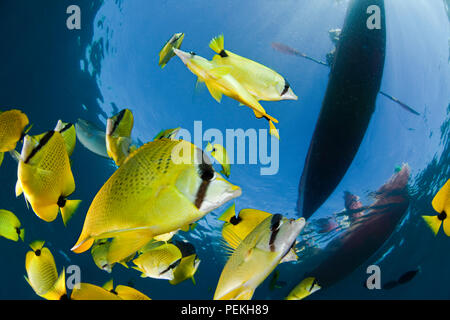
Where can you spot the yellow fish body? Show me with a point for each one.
(305, 288)
(101, 253)
(220, 154)
(10, 227)
(87, 291)
(256, 257)
(162, 187)
(45, 176)
(42, 275)
(118, 136)
(219, 81)
(166, 52)
(128, 293)
(12, 126)
(441, 204)
(186, 269)
(262, 82)
(125, 292)
(188, 265)
(159, 262)
(67, 131)
(236, 228)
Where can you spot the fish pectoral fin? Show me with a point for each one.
(124, 245)
(69, 209)
(216, 94)
(219, 72)
(433, 222)
(290, 256)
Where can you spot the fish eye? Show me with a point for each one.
(192, 53)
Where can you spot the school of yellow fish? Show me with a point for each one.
(159, 188)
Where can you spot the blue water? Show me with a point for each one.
(54, 73)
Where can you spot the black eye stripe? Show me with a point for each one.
(286, 87)
(274, 227)
(42, 143)
(172, 266)
(67, 127)
(119, 118)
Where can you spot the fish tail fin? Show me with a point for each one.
(433, 222)
(217, 44)
(22, 234)
(228, 213)
(37, 245)
(69, 209)
(273, 130)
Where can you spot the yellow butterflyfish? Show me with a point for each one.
(166, 52)
(257, 256)
(262, 82)
(219, 81)
(440, 203)
(118, 136)
(162, 187)
(42, 275)
(46, 178)
(10, 226)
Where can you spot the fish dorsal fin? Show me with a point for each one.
(108, 286)
(441, 201)
(228, 213)
(229, 250)
(217, 43)
(290, 256)
(216, 94)
(232, 239)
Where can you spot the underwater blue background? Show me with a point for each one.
(54, 73)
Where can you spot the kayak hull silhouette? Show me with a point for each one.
(347, 107)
